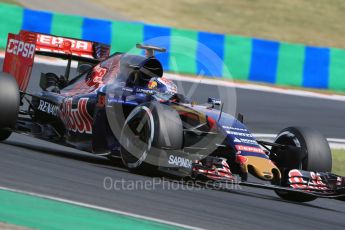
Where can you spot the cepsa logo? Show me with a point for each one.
(76, 119)
(20, 48)
(52, 41)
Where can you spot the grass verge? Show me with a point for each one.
(10, 2)
(338, 161)
(316, 22)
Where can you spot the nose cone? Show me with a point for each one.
(261, 167)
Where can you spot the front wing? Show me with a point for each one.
(319, 185)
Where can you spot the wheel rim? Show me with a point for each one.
(136, 137)
(288, 138)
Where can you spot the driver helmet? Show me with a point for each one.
(163, 88)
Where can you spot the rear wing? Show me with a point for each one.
(21, 49)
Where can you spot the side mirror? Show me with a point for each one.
(214, 101)
(240, 117)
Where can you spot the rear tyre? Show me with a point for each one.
(148, 130)
(315, 156)
(9, 104)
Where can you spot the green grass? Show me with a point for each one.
(338, 161)
(312, 22)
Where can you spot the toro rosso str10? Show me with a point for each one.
(121, 106)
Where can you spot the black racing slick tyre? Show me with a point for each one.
(315, 155)
(149, 129)
(9, 104)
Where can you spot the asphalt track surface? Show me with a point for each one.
(37, 166)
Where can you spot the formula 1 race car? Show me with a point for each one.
(121, 106)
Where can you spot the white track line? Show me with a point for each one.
(252, 86)
(100, 208)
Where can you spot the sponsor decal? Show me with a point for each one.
(20, 48)
(239, 134)
(19, 57)
(180, 161)
(145, 91)
(126, 89)
(237, 140)
(48, 108)
(76, 119)
(248, 141)
(48, 43)
(96, 77)
(249, 149)
(234, 128)
(52, 41)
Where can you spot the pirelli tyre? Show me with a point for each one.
(149, 129)
(9, 104)
(315, 155)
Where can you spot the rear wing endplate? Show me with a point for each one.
(21, 49)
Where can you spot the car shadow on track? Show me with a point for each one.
(277, 199)
(66, 152)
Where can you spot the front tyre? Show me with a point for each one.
(315, 156)
(148, 130)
